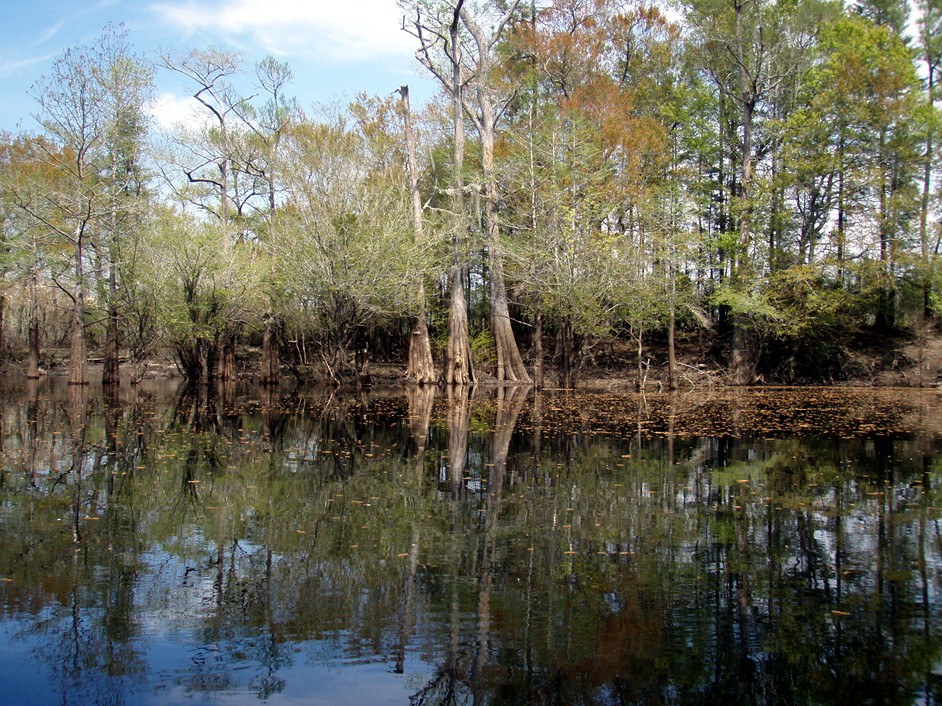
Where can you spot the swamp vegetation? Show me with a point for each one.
(762, 177)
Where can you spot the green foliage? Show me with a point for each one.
(482, 349)
(808, 305)
(348, 254)
(624, 189)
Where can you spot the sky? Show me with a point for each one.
(335, 48)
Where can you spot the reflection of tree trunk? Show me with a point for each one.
(510, 401)
(457, 419)
(112, 417)
(32, 425)
(78, 361)
(537, 424)
(78, 408)
(406, 617)
(671, 415)
(421, 399)
(274, 420)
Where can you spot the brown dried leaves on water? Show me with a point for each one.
(763, 412)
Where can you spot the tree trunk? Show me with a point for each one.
(421, 369)
(270, 372)
(924, 204)
(566, 348)
(32, 354)
(227, 367)
(639, 385)
(538, 349)
(110, 374)
(742, 362)
(671, 353)
(510, 367)
(459, 370)
(78, 361)
(741, 367)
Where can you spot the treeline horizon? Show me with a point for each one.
(592, 171)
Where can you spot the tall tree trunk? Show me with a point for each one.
(567, 353)
(270, 366)
(741, 365)
(78, 361)
(926, 192)
(459, 370)
(538, 349)
(671, 353)
(227, 368)
(32, 354)
(421, 367)
(110, 374)
(270, 371)
(840, 208)
(458, 367)
(886, 312)
(510, 367)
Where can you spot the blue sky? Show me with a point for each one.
(336, 48)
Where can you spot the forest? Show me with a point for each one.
(596, 181)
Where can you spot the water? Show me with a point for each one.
(235, 547)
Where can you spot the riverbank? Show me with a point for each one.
(885, 360)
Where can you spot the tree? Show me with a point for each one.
(749, 49)
(421, 367)
(269, 124)
(352, 261)
(212, 157)
(205, 285)
(127, 84)
(26, 177)
(460, 53)
(510, 367)
(438, 29)
(930, 52)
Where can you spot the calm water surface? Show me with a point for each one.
(230, 546)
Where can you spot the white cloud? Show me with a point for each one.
(16, 66)
(347, 31)
(170, 110)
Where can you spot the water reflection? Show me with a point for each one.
(469, 546)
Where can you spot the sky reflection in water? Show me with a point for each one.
(234, 546)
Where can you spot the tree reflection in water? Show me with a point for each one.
(482, 545)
